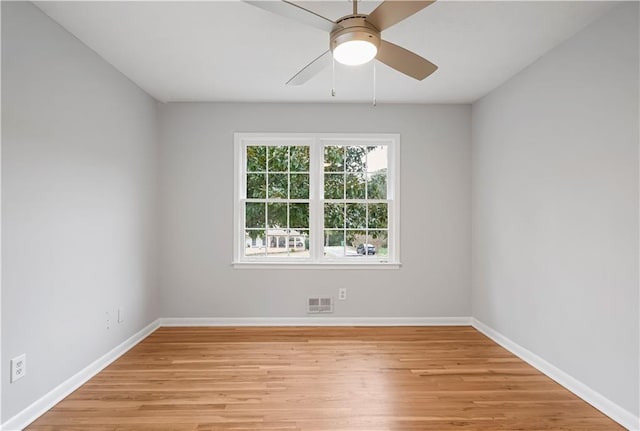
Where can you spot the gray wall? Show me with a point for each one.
(197, 187)
(78, 187)
(555, 207)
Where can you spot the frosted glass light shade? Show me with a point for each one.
(355, 52)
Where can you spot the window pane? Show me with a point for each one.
(256, 159)
(377, 160)
(334, 216)
(299, 186)
(256, 186)
(356, 216)
(377, 186)
(278, 186)
(366, 249)
(378, 216)
(379, 239)
(355, 159)
(255, 215)
(334, 159)
(276, 216)
(299, 159)
(299, 216)
(355, 240)
(254, 243)
(333, 243)
(299, 243)
(278, 159)
(334, 186)
(277, 243)
(354, 187)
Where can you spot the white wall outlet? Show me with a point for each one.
(342, 293)
(18, 367)
(120, 315)
(108, 319)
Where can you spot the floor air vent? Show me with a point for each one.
(320, 305)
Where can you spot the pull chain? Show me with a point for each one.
(374, 83)
(333, 77)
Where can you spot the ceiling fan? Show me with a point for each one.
(355, 39)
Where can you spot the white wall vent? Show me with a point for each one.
(320, 305)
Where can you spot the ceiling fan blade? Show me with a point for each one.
(295, 12)
(391, 12)
(311, 69)
(405, 61)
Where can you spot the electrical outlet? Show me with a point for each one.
(342, 293)
(120, 315)
(18, 367)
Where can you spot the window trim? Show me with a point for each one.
(316, 247)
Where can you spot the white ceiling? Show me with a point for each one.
(232, 51)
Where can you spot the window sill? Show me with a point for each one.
(316, 265)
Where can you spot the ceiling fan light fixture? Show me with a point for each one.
(355, 42)
(355, 52)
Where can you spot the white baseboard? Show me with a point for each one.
(39, 407)
(315, 321)
(606, 406)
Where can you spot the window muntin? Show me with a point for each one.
(316, 198)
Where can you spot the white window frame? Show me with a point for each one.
(317, 141)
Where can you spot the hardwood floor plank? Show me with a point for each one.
(320, 378)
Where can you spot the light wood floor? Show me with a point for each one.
(405, 378)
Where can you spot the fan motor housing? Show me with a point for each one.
(354, 27)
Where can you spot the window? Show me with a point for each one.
(316, 199)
